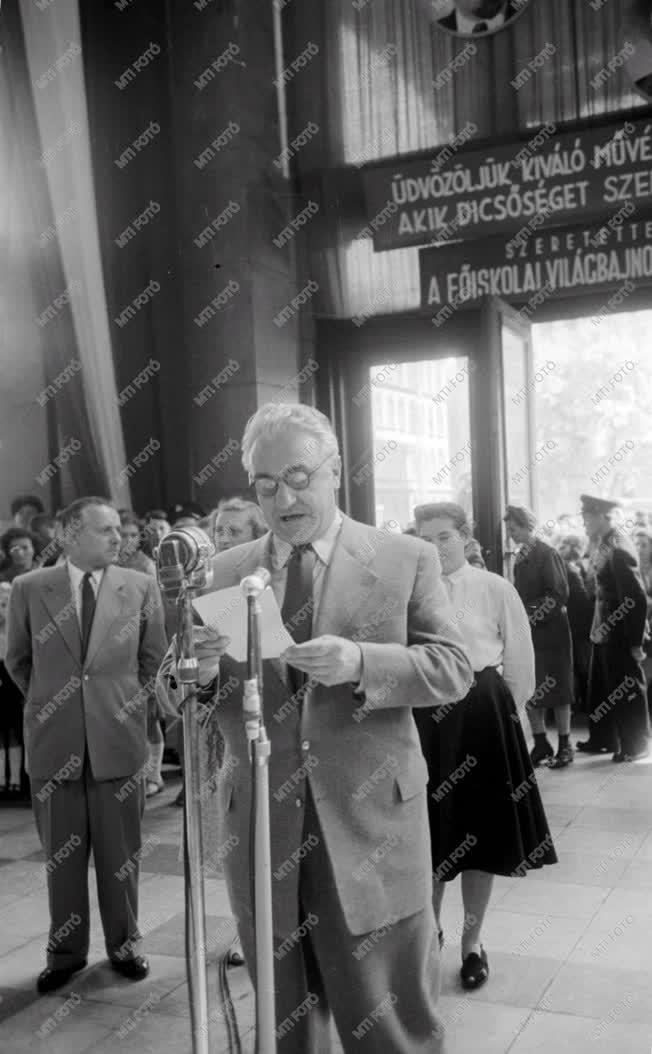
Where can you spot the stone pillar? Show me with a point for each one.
(233, 202)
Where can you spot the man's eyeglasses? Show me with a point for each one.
(294, 478)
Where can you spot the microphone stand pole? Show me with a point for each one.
(259, 752)
(188, 679)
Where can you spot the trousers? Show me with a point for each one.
(71, 819)
(381, 988)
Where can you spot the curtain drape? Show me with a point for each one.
(55, 64)
(33, 273)
(380, 64)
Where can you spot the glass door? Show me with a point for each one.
(448, 419)
(421, 449)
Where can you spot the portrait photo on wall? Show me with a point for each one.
(474, 18)
(637, 32)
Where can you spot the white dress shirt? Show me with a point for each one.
(491, 617)
(76, 579)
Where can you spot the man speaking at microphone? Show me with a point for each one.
(353, 925)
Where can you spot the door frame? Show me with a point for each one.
(346, 352)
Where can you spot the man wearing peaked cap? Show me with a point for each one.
(618, 718)
(598, 506)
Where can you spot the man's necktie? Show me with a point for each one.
(480, 27)
(298, 604)
(87, 610)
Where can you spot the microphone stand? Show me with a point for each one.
(188, 679)
(261, 866)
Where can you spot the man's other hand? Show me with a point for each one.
(329, 660)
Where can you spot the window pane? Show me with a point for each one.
(429, 459)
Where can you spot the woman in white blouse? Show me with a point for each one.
(486, 815)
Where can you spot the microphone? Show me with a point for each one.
(184, 554)
(253, 585)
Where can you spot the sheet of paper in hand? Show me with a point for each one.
(225, 611)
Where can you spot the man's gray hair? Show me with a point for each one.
(256, 519)
(272, 419)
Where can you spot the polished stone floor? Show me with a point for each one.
(569, 950)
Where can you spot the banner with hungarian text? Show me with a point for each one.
(598, 258)
(563, 178)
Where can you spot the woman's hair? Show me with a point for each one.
(442, 510)
(256, 519)
(521, 516)
(273, 419)
(128, 518)
(12, 534)
(26, 499)
(155, 514)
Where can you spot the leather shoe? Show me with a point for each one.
(585, 746)
(622, 755)
(50, 980)
(563, 758)
(475, 969)
(135, 969)
(541, 752)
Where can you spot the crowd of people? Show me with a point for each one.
(586, 584)
(410, 659)
(34, 540)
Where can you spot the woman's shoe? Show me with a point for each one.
(475, 970)
(585, 746)
(563, 758)
(540, 752)
(14, 790)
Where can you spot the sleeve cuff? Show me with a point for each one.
(358, 689)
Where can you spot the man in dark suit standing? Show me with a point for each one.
(84, 642)
(353, 923)
(618, 718)
(471, 17)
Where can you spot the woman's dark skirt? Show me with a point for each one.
(484, 806)
(11, 710)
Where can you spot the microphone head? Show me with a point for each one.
(254, 584)
(184, 554)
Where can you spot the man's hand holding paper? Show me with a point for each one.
(328, 659)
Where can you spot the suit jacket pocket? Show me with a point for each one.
(412, 781)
